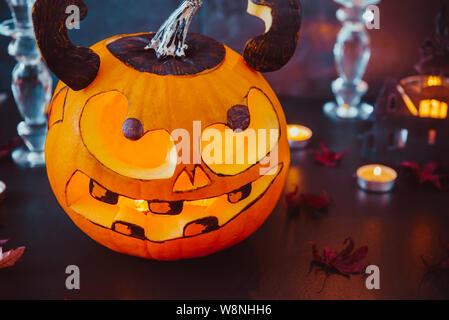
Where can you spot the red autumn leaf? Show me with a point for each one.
(292, 198)
(7, 148)
(426, 173)
(442, 265)
(346, 262)
(437, 271)
(315, 202)
(327, 157)
(296, 200)
(9, 258)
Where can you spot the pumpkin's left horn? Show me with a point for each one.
(273, 49)
(77, 67)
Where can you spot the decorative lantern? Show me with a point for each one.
(412, 114)
(122, 105)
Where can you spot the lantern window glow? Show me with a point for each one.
(434, 81)
(433, 109)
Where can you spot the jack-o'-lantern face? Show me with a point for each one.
(133, 156)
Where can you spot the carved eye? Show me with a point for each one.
(250, 133)
(121, 144)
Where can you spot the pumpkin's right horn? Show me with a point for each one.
(272, 50)
(77, 67)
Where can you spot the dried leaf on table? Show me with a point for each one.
(327, 157)
(9, 258)
(440, 266)
(296, 200)
(427, 173)
(346, 262)
(437, 271)
(316, 202)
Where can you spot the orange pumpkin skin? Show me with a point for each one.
(162, 103)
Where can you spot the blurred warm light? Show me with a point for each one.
(434, 81)
(294, 178)
(298, 133)
(294, 132)
(432, 137)
(408, 102)
(433, 109)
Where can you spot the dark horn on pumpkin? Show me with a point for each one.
(75, 66)
(272, 50)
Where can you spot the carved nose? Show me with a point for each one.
(132, 129)
(188, 182)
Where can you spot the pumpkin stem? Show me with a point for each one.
(170, 40)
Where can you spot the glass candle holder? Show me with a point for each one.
(31, 84)
(352, 53)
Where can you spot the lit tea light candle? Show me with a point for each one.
(298, 136)
(2, 191)
(376, 178)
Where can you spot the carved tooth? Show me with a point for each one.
(129, 229)
(240, 194)
(172, 208)
(102, 194)
(201, 226)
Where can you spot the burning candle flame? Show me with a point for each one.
(377, 171)
(294, 132)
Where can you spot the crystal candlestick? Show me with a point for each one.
(352, 53)
(31, 84)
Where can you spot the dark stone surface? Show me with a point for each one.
(272, 264)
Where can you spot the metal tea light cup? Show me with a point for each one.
(374, 184)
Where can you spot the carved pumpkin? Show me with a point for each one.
(112, 155)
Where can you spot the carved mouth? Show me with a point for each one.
(156, 220)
